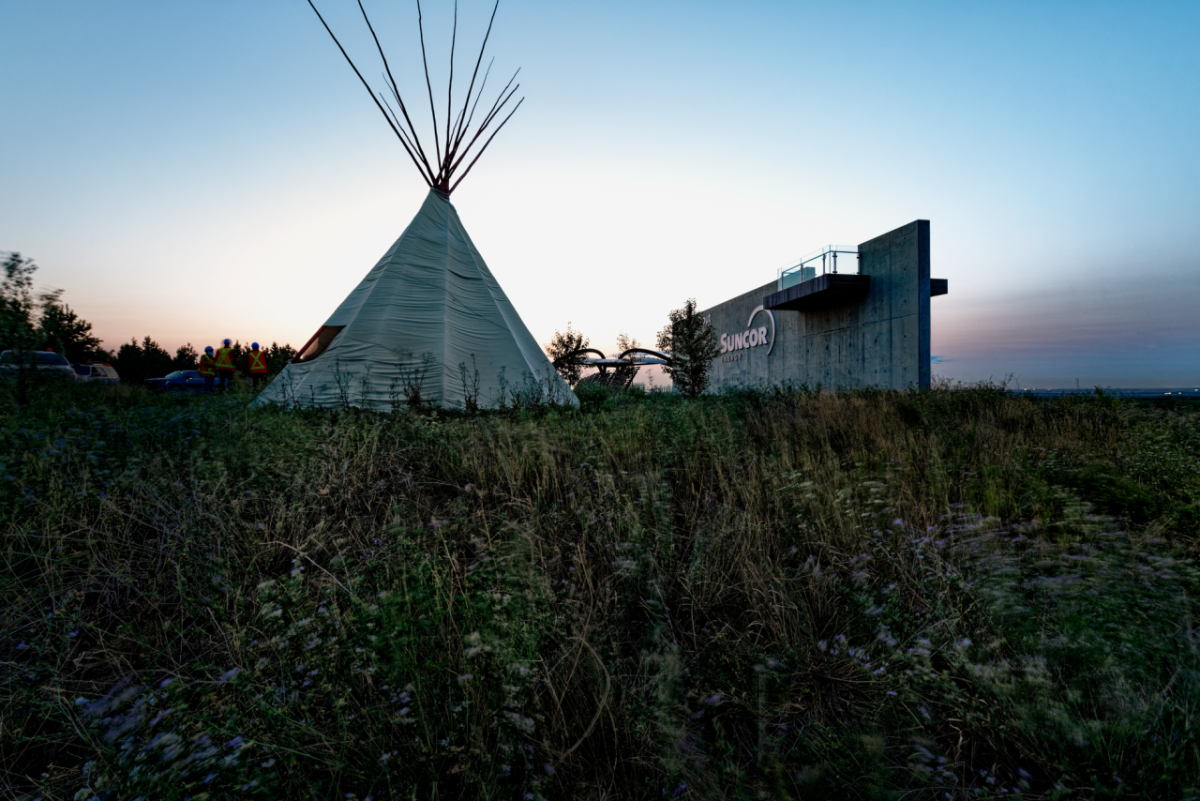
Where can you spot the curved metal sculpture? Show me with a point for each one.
(618, 373)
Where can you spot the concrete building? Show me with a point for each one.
(863, 324)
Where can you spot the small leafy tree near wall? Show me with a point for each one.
(561, 345)
(692, 343)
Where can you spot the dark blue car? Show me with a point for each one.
(178, 381)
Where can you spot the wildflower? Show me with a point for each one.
(230, 674)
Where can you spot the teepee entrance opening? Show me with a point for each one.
(318, 343)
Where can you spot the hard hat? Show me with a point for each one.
(208, 349)
(227, 342)
(254, 345)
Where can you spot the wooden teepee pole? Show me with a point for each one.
(449, 149)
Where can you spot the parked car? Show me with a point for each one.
(47, 362)
(98, 373)
(178, 381)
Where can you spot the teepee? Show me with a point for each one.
(429, 320)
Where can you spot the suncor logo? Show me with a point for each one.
(752, 337)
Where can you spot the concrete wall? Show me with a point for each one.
(880, 341)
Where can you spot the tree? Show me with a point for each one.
(69, 334)
(692, 343)
(136, 362)
(561, 345)
(186, 358)
(278, 356)
(625, 375)
(239, 356)
(17, 305)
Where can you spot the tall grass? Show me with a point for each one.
(868, 595)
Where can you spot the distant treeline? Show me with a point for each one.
(138, 361)
(43, 321)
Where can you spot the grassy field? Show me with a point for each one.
(950, 594)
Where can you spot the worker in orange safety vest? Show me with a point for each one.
(208, 368)
(258, 364)
(225, 366)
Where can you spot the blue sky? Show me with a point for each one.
(195, 170)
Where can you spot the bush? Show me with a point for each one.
(594, 397)
(562, 345)
(787, 595)
(692, 343)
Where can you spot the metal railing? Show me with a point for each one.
(819, 262)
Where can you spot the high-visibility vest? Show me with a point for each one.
(208, 367)
(258, 362)
(225, 359)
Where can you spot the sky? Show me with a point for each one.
(196, 170)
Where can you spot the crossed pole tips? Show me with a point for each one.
(449, 151)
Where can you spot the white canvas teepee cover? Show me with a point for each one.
(428, 306)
